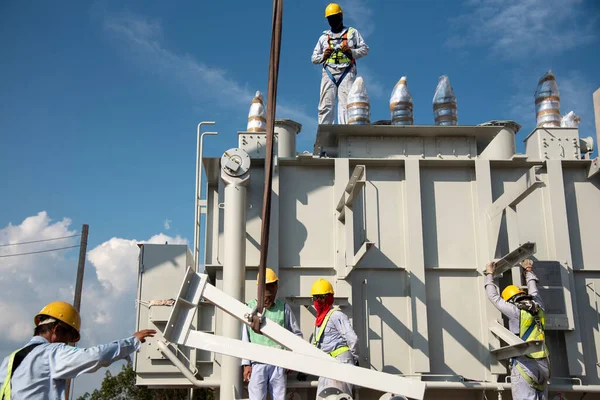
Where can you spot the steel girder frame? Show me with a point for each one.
(302, 357)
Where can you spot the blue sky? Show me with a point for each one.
(100, 100)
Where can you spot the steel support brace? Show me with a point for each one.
(525, 185)
(303, 356)
(513, 258)
(295, 361)
(516, 346)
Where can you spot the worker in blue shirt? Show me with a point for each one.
(39, 370)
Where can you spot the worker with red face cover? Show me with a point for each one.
(333, 334)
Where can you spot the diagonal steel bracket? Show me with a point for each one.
(513, 258)
(303, 356)
(516, 346)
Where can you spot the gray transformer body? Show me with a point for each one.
(402, 220)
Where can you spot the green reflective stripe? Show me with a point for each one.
(322, 328)
(529, 380)
(339, 350)
(5, 393)
(532, 328)
(276, 314)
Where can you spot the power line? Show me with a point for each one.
(40, 251)
(39, 241)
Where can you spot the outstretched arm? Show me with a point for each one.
(531, 280)
(69, 362)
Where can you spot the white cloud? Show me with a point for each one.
(29, 282)
(167, 224)
(359, 15)
(142, 41)
(517, 28)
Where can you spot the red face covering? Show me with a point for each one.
(322, 308)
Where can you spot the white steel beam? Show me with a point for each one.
(485, 253)
(329, 368)
(513, 258)
(560, 248)
(521, 188)
(516, 346)
(416, 259)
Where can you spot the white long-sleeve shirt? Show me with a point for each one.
(43, 373)
(338, 332)
(511, 311)
(291, 324)
(355, 42)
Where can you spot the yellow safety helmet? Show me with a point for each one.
(321, 286)
(510, 291)
(270, 275)
(333, 9)
(63, 312)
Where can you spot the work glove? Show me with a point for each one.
(490, 268)
(301, 376)
(327, 53)
(527, 264)
(347, 50)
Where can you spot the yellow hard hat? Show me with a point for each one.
(333, 9)
(321, 286)
(510, 291)
(63, 312)
(270, 275)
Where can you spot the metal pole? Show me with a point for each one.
(79, 282)
(199, 145)
(234, 272)
(596, 97)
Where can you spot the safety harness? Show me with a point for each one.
(319, 337)
(339, 57)
(531, 327)
(14, 360)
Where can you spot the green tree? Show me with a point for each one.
(122, 387)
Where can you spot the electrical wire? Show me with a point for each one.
(39, 251)
(39, 241)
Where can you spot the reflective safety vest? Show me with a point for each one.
(338, 56)
(276, 314)
(319, 336)
(531, 327)
(14, 360)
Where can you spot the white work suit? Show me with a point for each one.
(329, 90)
(43, 373)
(269, 378)
(537, 369)
(338, 332)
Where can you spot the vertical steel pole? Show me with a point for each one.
(199, 145)
(234, 264)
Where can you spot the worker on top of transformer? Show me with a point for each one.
(39, 370)
(526, 319)
(333, 334)
(263, 378)
(337, 49)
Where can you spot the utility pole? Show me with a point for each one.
(596, 97)
(79, 282)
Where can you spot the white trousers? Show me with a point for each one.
(521, 389)
(330, 93)
(267, 379)
(344, 387)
